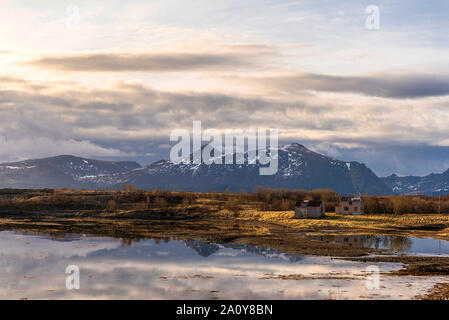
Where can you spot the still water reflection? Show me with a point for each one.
(399, 244)
(33, 267)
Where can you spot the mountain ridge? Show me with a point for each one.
(64, 171)
(298, 168)
(431, 184)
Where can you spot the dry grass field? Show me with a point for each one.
(264, 206)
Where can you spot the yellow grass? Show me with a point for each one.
(367, 223)
(235, 206)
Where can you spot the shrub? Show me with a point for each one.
(111, 206)
(232, 204)
(160, 202)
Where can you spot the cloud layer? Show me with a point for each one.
(39, 120)
(404, 86)
(147, 62)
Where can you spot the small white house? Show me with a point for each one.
(306, 209)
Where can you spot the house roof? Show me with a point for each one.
(351, 199)
(308, 203)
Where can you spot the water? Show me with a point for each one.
(34, 266)
(398, 244)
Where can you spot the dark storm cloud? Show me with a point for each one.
(380, 85)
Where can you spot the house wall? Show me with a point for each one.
(309, 212)
(315, 212)
(300, 212)
(355, 208)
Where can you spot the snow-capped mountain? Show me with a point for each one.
(60, 172)
(298, 168)
(432, 184)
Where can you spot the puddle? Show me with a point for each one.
(398, 244)
(34, 267)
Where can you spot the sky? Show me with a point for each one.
(112, 79)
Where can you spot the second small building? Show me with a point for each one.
(349, 205)
(309, 209)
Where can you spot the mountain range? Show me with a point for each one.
(60, 172)
(298, 168)
(433, 184)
